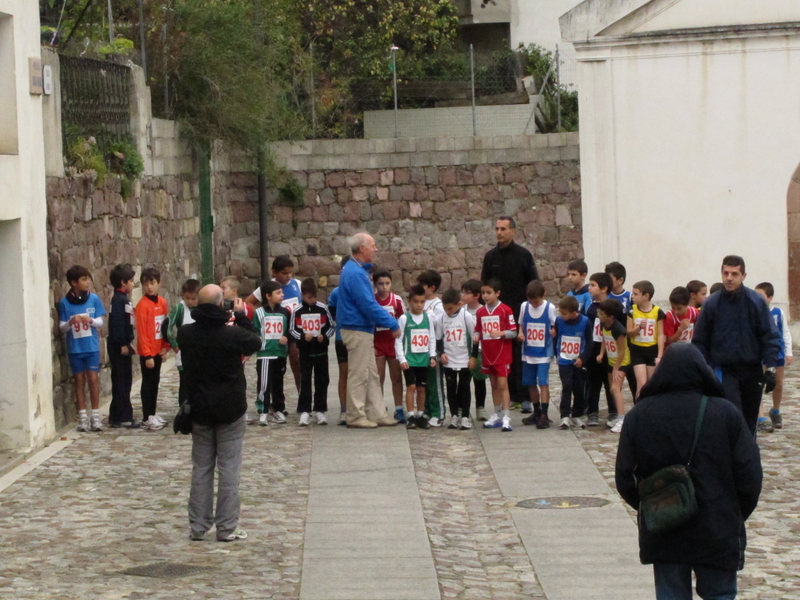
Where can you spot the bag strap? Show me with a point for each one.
(697, 427)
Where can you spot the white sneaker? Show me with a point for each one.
(506, 423)
(465, 423)
(159, 419)
(494, 421)
(152, 424)
(617, 425)
(611, 422)
(455, 422)
(434, 422)
(97, 424)
(565, 423)
(343, 418)
(262, 420)
(83, 423)
(305, 419)
(321, 419)
(578, 424)
(481, 414)
(279, 417)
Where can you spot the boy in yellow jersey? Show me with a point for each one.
(615, 349)
(646, 332)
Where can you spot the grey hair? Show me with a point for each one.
(210, 294)
(356, 241)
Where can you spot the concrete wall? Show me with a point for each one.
(450, 122)
(26, 414)
(431, 204)
(688, 144)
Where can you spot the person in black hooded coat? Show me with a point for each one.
(725, 469)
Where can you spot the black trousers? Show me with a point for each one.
(480, 392)
(596, 380)
(150, 380)
(120, 410)
(313, 368)
(183, 393)
(458, 397)
(573, 382)
(270, 373)
(742, 385)
(516, 391)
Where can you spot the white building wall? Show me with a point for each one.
(687, 149)
(26, 408)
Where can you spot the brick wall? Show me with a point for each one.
(95, 227)
(430, 203)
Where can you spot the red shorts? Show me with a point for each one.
(501, 370)
(384, 345)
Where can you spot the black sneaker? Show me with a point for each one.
(411, 423)
(534, 418)
(543, 423)
(422, 423)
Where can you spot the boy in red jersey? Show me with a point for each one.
(384, 340)
(679, 323)
(495, 329)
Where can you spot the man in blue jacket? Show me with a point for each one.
(358, 314)
(736, 335)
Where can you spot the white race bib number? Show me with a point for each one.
(159, 323)
(273, 328)
(81, 330)
(687, 334)
(311, 324)
(535, 335)
(129, 310)
(647, 333)
(611, 346)
(489, 325)
(290, 303)
(455, 336)
(390, 309)
(570, 347)
(420, 340)
(597, 333)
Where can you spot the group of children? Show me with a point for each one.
(599, 335)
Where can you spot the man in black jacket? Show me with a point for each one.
(737, 335)
(513, 265)
(725, 468)
(214, 375)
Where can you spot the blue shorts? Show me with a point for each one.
(535, 374)
(781, 363)
(84, 361)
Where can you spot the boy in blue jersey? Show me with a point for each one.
(577, 271)
(80, 315)
(618, 275)
(537, 317)
(573, 351)
(785, 358)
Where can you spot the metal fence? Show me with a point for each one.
(95, 101)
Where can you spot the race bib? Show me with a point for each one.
(647, 334)
(687, 334)
(273, 328)
(420, 340)
(597, 333)
(570, 347)
(455, 336)
(535, 335)
(290, 303)
(611, 346)
(159, 323)
(489, 325)
(390, 309)
(129, 310)
(81, 330)
(311, 324)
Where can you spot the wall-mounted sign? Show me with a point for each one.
(47, 77)
(35, 68)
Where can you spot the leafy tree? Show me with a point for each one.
(538, 63)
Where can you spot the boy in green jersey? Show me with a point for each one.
(272, 324)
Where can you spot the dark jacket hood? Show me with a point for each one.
(210, 315)
(682, 369)
(77, 299)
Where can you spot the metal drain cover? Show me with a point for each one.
(563, 502)
(166, 570)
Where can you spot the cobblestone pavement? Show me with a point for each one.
(117, 500)
(772, 563)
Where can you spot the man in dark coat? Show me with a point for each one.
(514, 267)
(216, 391)
(737, 335)
(726, 471)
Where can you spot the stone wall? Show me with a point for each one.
(97, 228)
(431, 203)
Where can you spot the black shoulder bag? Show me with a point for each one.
(667, 497)
(183, 420)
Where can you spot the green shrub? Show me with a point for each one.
(85, 158)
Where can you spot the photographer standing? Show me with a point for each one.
(216, 392)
